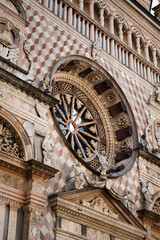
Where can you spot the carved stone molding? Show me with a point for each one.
(15, 79)
(85, 214)
(73, 90)
(15, 205)
(99, 205)
(29, 168)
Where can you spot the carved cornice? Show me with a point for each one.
(89, 217)
(148, 215)
(29, 168)
(13, 204)
(149, 157)
(39, 169)
(30, 90)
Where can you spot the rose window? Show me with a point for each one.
(77, 125)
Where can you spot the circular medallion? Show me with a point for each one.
(77, 125)
(94, 118)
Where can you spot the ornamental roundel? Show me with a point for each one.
(93, 119)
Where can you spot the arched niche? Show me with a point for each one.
(106, 123)
(13, 137)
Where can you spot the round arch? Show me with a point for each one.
(18, 128)
(62, 69)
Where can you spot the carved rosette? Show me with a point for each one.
(92, 118)
(10, 141)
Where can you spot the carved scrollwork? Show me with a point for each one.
(9, 141)
(94, 77)
(125, 145)
(110, 96)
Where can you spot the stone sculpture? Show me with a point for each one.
(79, 176)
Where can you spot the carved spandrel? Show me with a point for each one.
(9, 141)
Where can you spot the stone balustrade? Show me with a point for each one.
(87, 26)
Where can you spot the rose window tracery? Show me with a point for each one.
(77, 125)
(91, 117)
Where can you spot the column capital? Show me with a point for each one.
(146, 45)
(129, 30)
(14, 206)
(111, 16)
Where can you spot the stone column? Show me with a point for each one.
(138, 46)
(12, 221)
(148, 74)
(111, 24)
(91, 8)
(154, 54)
(81, 4)
(146, 51)
(70, 14)
(2, 217)
(120, 31)
(111, 29)
(129, 38)
(45, 3)
(101, 16)
(91, 14)
(129, 42)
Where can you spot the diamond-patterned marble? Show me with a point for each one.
(49, 43)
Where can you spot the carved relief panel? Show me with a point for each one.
(92, 118)
(12, 32)
(9, 140)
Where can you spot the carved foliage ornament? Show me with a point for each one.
(10, 141)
